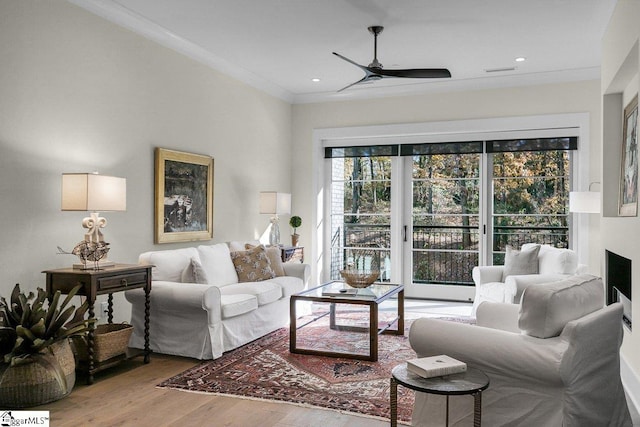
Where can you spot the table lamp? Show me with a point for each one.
(93, 193)
(274, 203)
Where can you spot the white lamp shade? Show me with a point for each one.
(92, 192)
(584, 201)
(274, 203)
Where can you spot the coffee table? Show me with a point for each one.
(472, 382)
(331, 293)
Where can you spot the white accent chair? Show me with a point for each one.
(553, 360)
(495, 283)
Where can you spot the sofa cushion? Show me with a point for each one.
(217, 264)
(252, 265)
(524, 261)
(237, 304)
(266, 291)
(558, 261)
(169, 265)
(275, 257)
(553, 260)
(546, 308)
(289, 284)
(194, 273)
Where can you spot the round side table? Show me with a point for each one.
(472, 382)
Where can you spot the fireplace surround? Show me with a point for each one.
(618, 275)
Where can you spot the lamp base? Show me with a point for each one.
(91, 265)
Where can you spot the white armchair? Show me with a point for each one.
(552, 361)
(494, 283)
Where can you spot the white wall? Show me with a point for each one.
(580, 97)
(78, 94)
(620, 69)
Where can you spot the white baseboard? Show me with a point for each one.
(631, 383)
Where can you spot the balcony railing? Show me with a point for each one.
(441, 254)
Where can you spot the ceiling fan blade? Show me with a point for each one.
(414, 73)
(362, 67)
(362, 80)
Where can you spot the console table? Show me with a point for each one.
(292, 253)
(109, 280)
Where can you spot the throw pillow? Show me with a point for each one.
(524, 261)
(194, 273)
(546, 308)
(275, 257)
(216, 261)
(252, 265)
(169, 265)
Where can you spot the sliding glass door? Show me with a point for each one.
(426, 214)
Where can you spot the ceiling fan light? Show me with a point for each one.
(521, 59)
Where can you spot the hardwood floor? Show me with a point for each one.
(126, 395)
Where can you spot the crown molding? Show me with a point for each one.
(130, 20)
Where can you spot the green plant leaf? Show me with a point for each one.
(60, 320)
(53, 307)
(39, 329)
(70, 296)
(25, 333)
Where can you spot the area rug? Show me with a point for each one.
(265, 369)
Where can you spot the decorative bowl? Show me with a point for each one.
(358, 278)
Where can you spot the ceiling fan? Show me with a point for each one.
(374, 71)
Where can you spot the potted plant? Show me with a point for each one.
(37, 364)
(295, 222)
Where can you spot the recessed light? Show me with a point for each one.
(521, 59)
(315, 79)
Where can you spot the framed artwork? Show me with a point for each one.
(184, 196)
(628, 205)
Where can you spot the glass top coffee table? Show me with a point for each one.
(345, 302)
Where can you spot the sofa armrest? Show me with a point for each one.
(516, 284)
(530, 359)
(496, 315)
(301, 271)
(173, 297)
(487, 274)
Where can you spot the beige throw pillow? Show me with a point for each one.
(252, 265)
(275, 256)
(524, 261)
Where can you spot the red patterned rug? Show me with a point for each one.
(265, 369)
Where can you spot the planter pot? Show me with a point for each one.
(49, 377)
(294, 239)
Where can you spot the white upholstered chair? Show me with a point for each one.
(532, 264)
(552, 360)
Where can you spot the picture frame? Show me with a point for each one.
(628, 198)
(183, 196)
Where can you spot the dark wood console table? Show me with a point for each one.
(108, 280)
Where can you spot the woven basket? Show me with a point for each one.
(111, 340)
(35, 383)
(359, 279)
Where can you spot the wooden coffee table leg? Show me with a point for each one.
(393, 402)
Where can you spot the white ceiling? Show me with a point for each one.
(279, 45)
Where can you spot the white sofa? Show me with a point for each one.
(199, 308)
(495, 283)
(553, 360)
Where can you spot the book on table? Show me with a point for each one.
(436, 366)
